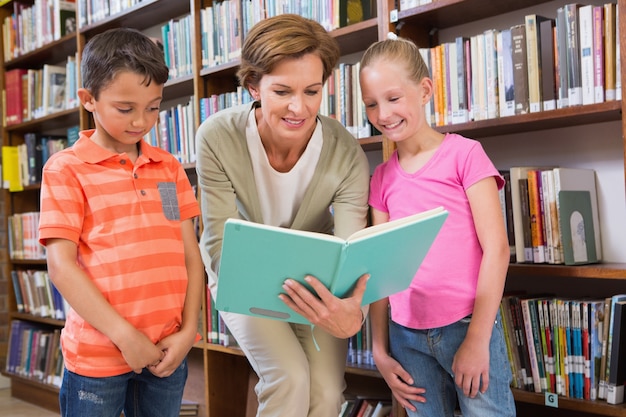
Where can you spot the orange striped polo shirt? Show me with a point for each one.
(125, 219)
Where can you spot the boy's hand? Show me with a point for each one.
(175, 348)
(139, 351)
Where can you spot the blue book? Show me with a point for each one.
(257, 259)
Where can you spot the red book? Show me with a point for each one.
(14, 96)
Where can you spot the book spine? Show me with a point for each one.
(598, 55)
(572, 29)
(532, 55)
(585, 25)
(520, 69)
(548, 71)
(610, 50)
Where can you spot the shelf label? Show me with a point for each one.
(552, 400)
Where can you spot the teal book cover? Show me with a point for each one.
(577, 229)
(257, 259)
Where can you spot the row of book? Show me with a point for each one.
(216, 102)
(360, 346)
(571, 347)
(217, 331)
(539, 65)
(34, 93)
(551, 215)
(23, 236)
(23, 163)
(35, 353)
(224, 24)
(342, 100)
(35, 24)
(366, 407)
(35, 294)
(175, 131)
(177, 39)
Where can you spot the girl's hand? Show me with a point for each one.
(399, 381)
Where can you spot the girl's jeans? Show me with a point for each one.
(427, 355)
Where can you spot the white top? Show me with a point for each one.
(281, 193)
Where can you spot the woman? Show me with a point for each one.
(277, 162)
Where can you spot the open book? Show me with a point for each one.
(257, 259)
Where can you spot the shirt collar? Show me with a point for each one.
(90, 152)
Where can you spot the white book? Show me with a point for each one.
(533, 56)
(53, 88)
(452, 82)
(506, 89)
(585, 25)
(491, 73)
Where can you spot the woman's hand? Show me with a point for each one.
(341, 317)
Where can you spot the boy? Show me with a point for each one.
(116, 217)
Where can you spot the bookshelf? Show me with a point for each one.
(220, 378)
(546, 137)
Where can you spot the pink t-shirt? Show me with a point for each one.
(444, 288)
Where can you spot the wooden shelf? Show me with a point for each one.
(598, 407)
(43, 395)
(141, 16)
(36, 319)
(356, 37)
(50, 122)
(569, 116)
(53, 52)
(442, 14)
(604, 271)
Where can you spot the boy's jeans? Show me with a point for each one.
(138, 395)
(427, 355)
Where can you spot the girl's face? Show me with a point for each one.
(290, 99)
(394, 103)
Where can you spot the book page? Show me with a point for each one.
(382, 227)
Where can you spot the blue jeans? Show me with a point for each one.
(137, 395)
(427, 355)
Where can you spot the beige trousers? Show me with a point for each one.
(295, 379)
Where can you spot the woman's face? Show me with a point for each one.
(290, 99)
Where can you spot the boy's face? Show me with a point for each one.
(394, 102)
(125, 111)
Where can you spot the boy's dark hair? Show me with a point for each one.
(121, 49)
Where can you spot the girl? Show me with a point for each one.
(441, 340)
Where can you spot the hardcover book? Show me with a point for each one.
(257, 259)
